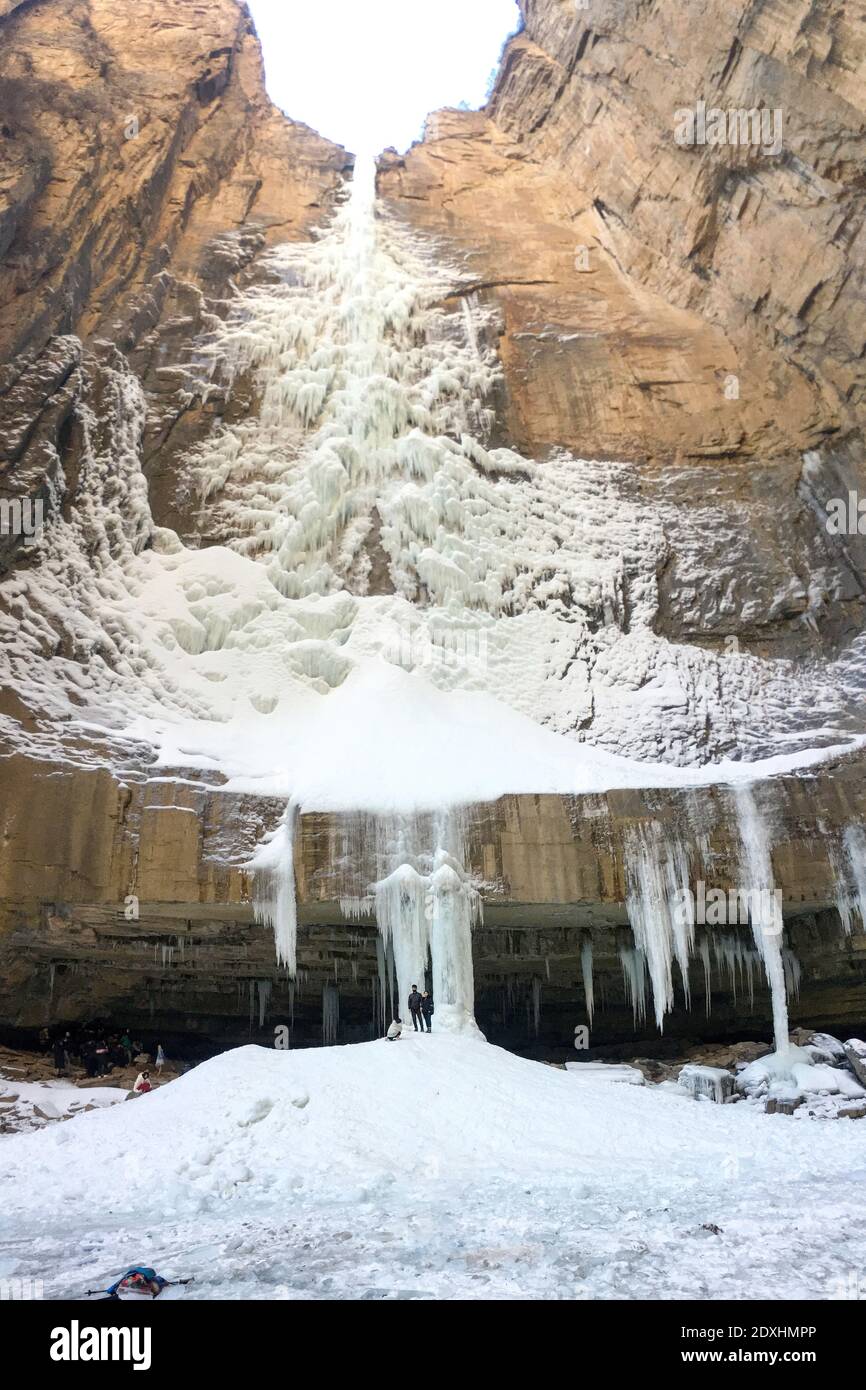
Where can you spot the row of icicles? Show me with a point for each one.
(427, 905)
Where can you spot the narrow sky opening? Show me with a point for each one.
(366, 73)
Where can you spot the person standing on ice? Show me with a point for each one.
(415, 1009)
(395, 1031)
(160, 1059)
(427, 1008)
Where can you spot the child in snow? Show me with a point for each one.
(140, 1279)
(142, 1084)
(395, 1030)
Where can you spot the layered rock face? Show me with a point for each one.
(694, 310)
(134, 901)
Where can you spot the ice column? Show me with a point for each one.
(275, 903)
(402, 916)
(454, 911)
(586, 971)
(756, 867)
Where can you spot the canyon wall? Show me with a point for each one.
(699, 308)
(143, 169)
(696, 311)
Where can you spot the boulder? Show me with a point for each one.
(855, 1054)
(47, 1110)
(707, 1083)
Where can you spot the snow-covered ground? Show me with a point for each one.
(435, 1167)
(26, 1105)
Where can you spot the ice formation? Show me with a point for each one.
(330, 1013)
(767, 925)
(586, 972)
(710, 1083)
(377, 555)
(425, 909)
(658, 887)
(664, 913)
(849, 866)
(396, 614)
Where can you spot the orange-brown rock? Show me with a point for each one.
(142, 167)
(697, 309)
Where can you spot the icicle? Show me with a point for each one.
(379, 996)
(793, 973)
(634, 973)
(535, 998)
(264, 992)
(658, 903)
(756, 867)
(586, 970)
(275, 904)
(704, 952)
(330, 1014)
(855, 849)
(738, 960)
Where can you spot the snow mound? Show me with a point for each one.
(344, 1123)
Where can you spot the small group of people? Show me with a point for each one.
(99, 1052)
(421, 1010)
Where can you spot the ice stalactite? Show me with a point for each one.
(330, 1014)
(586, 971)
(657, 869)
(535, 1006)
(704, 953)
(793, 973)
(264, 988)
(849, 867)
(737, 960)
(844, 898)
(634, 973)
(384, 991)
(756, 869)
(275, 902)
(663, 915)
(855, 849)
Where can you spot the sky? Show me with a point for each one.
(365, 73)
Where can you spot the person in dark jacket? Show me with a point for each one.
(415, 1009)
(59, 1056)
(427, 1008)
(88, 1056)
